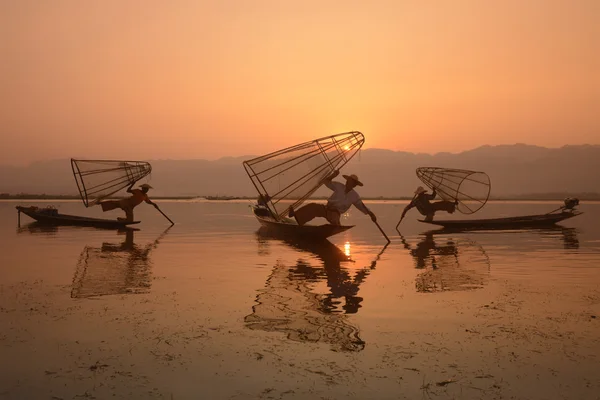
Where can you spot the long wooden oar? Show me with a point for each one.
(165, 215)
(397, 225)
(401, 218)
(386, 237)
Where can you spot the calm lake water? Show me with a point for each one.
(215, 308)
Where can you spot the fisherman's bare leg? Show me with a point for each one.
(447, 206)
(309, 212)
(108, 205)
(333, 217)
(129, 214)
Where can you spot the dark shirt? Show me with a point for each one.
(422, 203)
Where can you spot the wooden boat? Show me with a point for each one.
(289, 227)
(51, 216)
(525, 221)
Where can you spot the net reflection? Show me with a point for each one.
(114, 268)
(448, 264)
(289, 303)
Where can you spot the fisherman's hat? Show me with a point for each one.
(354, 178)
(420, 190)
(146, 186)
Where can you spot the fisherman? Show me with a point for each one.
(422, 201)
(262, 209)
(129, 203)
(343, 197)
(427, 250)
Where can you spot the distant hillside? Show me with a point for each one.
(514, 170)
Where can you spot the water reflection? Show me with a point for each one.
(448, 264)
(569, 236)
(291, 303)
(114, 268)
(452, 260)
(533, 238)
(36, 228)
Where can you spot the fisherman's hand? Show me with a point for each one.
(335, 173)
(373, 217)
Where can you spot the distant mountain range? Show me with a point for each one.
(515, 171)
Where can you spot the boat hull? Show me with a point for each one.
(308, 232)
(43, 216)
(525, 221)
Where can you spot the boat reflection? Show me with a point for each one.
(525, 238)
(291, 302)
(114, 268)
(569, 236)
(448, 264)
(36, 228)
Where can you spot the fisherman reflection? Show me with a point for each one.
(114, 268)
(427, 249)
(460, 264)
(290, 304)
(341, 284)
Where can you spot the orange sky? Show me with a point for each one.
(192, 79)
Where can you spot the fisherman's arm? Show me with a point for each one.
(328, 181)
(147, 200)
(408, 207)
(361, 206)
(129, 189)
